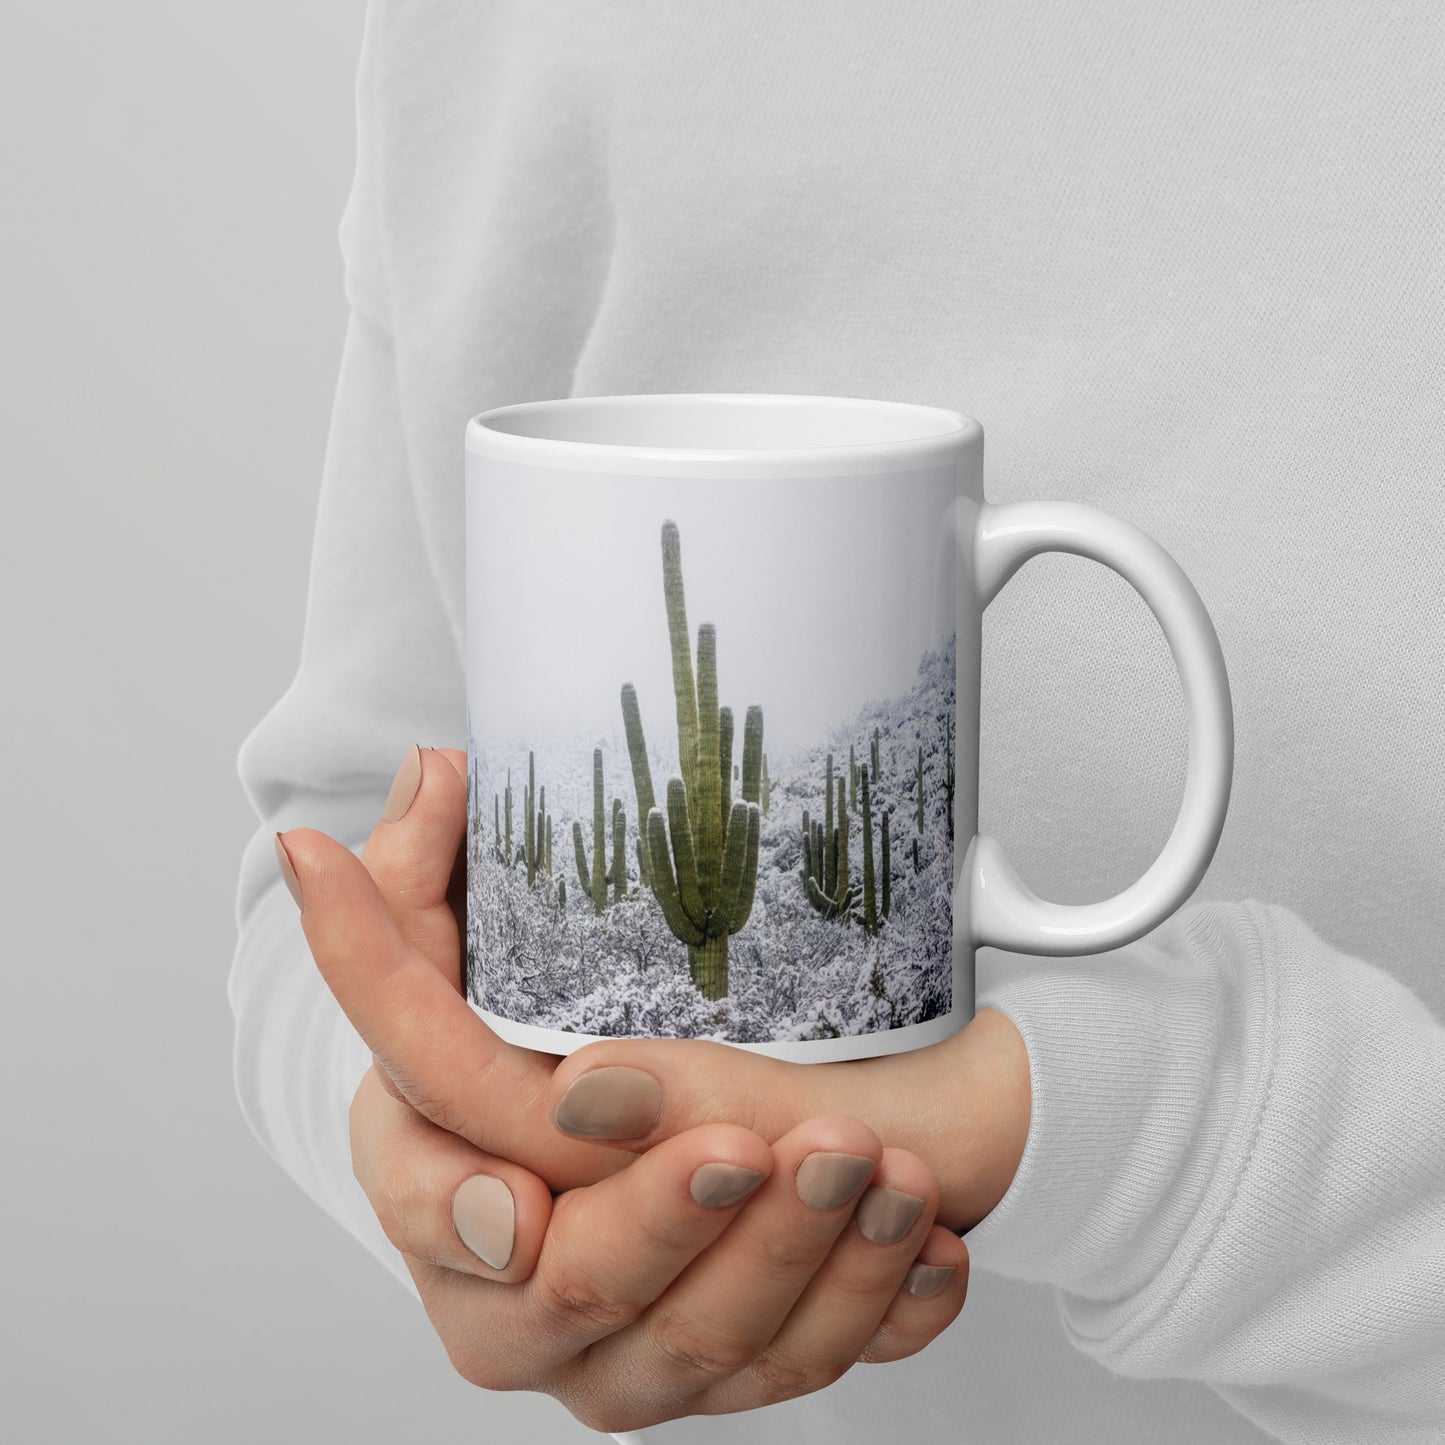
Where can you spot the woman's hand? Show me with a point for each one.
(713, 1274)
(386, 933)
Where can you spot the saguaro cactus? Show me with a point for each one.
(918, 774)
(594, 880)
(503, 847)
(877, 750)
(873, 915)
(538, 826)
(702, 853)
(887, 865)
(826, 878)
(852, 780)
(475, 829)
(767, 786)
(948, 766)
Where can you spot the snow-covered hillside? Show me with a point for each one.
(792, 972)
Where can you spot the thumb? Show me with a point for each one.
(444, 1060)
(637, 1092)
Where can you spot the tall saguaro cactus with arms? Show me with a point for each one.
(702, 850)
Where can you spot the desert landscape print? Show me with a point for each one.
(745, 833)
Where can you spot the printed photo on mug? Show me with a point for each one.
(711, 734)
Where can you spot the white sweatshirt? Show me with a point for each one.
(1183, 262)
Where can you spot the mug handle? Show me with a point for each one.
(1003, 913)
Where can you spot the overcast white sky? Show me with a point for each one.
(825, 592)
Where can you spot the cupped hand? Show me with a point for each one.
(387, 930)
(713, 1275)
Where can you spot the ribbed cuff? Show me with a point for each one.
(1145, 1064)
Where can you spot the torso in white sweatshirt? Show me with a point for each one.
(1183, 263)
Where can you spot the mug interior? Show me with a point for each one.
(724, 421)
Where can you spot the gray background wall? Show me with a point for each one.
(173, 315)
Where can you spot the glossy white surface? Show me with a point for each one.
(1002, 911)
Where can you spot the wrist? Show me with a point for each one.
(962, 1105)
(989, 1098)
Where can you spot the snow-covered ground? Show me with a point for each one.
(792, 974)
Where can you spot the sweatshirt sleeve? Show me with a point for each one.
(379, 670)
(1235, 1171)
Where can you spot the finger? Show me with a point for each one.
(413, 851)
(440, 1200)
(437, 1050)
(726, 1309)
(457, 889)
(632, 1093)
(933, 1293)
(847, 1296)
(612, 1248)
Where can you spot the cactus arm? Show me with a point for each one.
(725, 762)
(820, 900)
(753, 755)
(706, 805)
(619, 851)
(735, 856)
(680, 826)
(664, 885)
(682, 681)
(637, 751)
(744, 906)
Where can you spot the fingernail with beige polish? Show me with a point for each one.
(288, 872)
(614, 1102)
(404, 786)
(485, 1217)
(825, 1180)
(886, 1215)
(927, 1279)
(718, 1185)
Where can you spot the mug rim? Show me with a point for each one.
(933, 428)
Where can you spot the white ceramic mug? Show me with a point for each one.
(764, 832)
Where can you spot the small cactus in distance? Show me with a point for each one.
(948, 765)
(826, 878)
(873, 915)
(537, 825)
(594, 880)
(918, 774)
